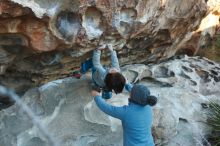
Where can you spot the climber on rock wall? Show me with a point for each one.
(105, 79)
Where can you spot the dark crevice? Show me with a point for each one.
(156, 82)
(163, 72)
(187, 69)
(184, 75)
(188, 51)
(213, 72)
(183, 120)
(193, 82)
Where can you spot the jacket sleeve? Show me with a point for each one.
(114, 60)
(117, 112)
(96, 61)
(128, 87)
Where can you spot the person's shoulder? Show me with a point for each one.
(101, 69)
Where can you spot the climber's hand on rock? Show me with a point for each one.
(94, 93)
(126, 80)
(101, 47)
(110, 47)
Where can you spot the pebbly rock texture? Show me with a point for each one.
(41, 41)
(183, 86)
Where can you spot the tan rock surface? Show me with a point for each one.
(50, 39)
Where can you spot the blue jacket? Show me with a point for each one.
(136, 121)
(100, 72)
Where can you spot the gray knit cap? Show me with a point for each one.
(140, 94)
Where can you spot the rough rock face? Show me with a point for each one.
(42, 40)
(209, 45)
(183, 86)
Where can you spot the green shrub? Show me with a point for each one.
(213, 121)
(217, 43)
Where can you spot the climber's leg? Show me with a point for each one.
(85, 66)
